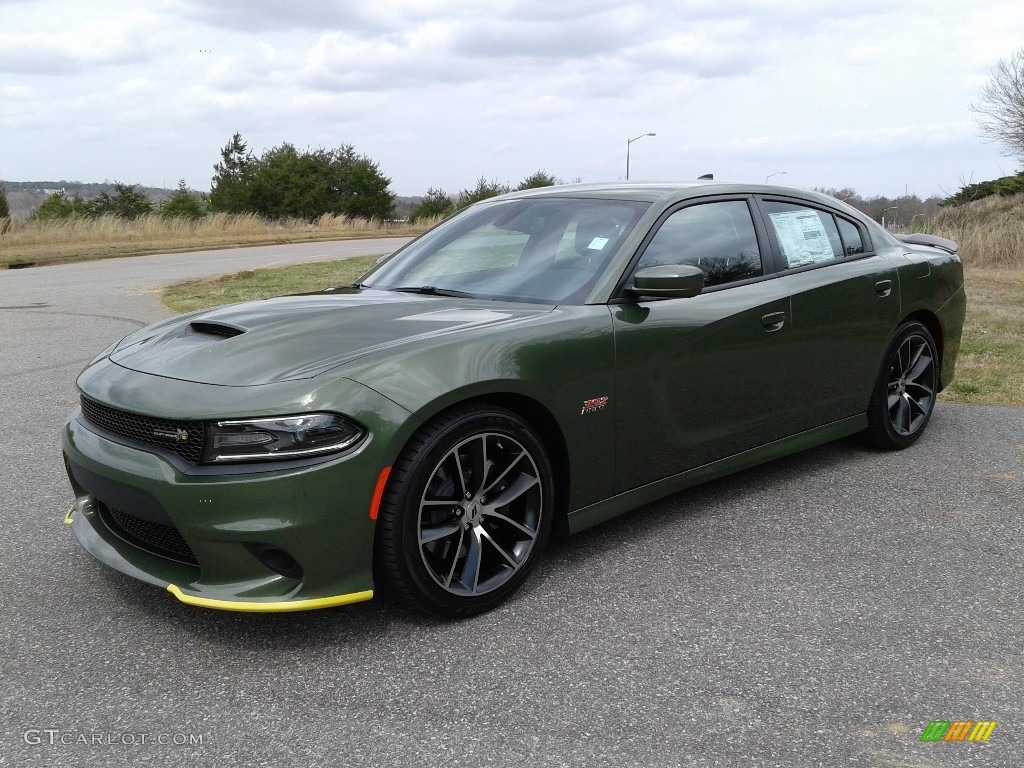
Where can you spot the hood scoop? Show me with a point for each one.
(214, 330)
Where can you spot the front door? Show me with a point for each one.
(694, 376)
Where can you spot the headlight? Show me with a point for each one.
(279, 437)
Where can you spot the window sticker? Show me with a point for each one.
(597, 243)
(802, 237)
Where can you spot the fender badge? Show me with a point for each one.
(594, 405)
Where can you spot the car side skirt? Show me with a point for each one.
(592, 515)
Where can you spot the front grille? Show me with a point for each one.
(148, 430)
(163, 540)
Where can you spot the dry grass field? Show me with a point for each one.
(991, 237)
(28, 243)
(990, 231)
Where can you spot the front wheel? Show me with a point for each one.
(904, 394)
(466, 513)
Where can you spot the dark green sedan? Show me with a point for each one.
(536, 364)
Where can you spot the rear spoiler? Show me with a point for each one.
(930, 240)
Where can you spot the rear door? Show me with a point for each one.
(845, 304)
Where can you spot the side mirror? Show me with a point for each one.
(679, 281)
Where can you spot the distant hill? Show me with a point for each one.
(25, 196)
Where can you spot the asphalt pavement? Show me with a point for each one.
(820, 610)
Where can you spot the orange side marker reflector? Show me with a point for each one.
(378, 492)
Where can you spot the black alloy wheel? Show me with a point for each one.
(904, 395)
(466, 513)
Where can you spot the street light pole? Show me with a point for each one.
(890, 208)
(630, 141)
(777, 173)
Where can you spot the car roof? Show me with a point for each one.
(659, 191)
(667, 192)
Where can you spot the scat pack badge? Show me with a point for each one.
(178, 435)
(594, 405)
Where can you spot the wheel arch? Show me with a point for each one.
(410, 580)
(930, 321)
(550, 433)
(548, 430)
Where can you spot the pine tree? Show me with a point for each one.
(5, 210)
(230, 189)
(183, 204)
(537, 179)
(437, 203)
(285, 181)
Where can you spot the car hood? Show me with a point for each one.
(298, 337)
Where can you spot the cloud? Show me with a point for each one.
(378, 18)
(587, 38)
(441, 92)
(137, 86)
(729, 50)
(10, 93)
(95, 43)
(341, 62)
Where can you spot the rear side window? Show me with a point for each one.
(853, 242)
(718, 237)
(806, 236)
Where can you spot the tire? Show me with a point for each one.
(904, 394)
(443, 546)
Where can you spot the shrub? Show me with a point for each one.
(183, 203)
(437, 204)
(1006, 185)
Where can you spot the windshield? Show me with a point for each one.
(548, 250)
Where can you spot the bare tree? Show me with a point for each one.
(1000, 107)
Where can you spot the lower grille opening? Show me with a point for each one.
(156, 538)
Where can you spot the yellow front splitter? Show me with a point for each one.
(270, 607)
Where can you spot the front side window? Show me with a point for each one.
(719, 238)
(548, 250)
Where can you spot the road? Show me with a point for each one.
(816, 611)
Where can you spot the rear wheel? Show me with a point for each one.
(904, 395)
(466, 513)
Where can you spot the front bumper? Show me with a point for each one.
(89, 531)
(264, 540)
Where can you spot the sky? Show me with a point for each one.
(872, 95)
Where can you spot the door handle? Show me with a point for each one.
(883, 288)
(773, 321)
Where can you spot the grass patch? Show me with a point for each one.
(990, 369)
(79, 239)
(265, 283)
